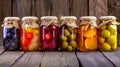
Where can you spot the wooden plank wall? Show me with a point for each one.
(58, 8)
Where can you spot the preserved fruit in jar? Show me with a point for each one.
(49, 33)
(68, 33)
(107, 33)
(87, 34)
(11, 33)
(30, 34)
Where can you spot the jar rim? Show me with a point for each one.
(48, 18)
(11, 18)
(88, 18)
(29, 17)
(107, 18)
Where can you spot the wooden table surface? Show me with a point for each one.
(59, 59)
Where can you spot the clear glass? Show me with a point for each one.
(68, 38)
(30, 36)
(107, 37)
(49, 37)
(87, 38)
(11, 36)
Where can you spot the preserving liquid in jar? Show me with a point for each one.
(87, 34)
(30, 34)
(11, 33)
(68, 33)
(107, 33)
(49, 33)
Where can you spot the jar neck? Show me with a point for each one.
(69, 23)
(90, 22)
(49, 22)
(111, 21)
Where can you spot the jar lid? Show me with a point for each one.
(107, 18)
(48, 18)
(68, 18)
(29, 17)
(11, 18)
(88, 18)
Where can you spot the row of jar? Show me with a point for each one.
(52, 35)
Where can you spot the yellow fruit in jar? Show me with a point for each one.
(106, 46)
(64, 45)
(63, 38)
(72, 36)
(91, 43)
(66, 32)
(37, 31)
(73, 44)
(34, 46)
(112, 29)
(101, 40)
(105, 34)
(69, 48)
(114, 46)
(29, 29)
(103, 27)
(112, 40)
(90, 32)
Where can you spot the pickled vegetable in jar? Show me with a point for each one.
(107, 33)
(11, 33)
(49, 33)
(30, 34)
(87, 34)
(68, 33)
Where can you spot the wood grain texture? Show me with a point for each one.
(1, 50)
(59, 59)
(114, 57)
(41, 8)
(98, 7)
(5, 10)
(79, 8)
(93, 59)
(30, 59)
(114, 8)
(8, 58)
(21, 8)
(59, 8)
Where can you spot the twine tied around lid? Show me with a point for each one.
(11, 23)
(69, 22)
(111, 21)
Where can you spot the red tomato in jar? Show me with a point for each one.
(28, 35)
(26, 42)
(48, 36)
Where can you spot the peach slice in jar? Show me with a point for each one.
(91, 43)
(90, 32)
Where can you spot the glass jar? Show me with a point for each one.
(11, 33)
(68, 33)
(107, 33)
(49, 33)
(87, 34)
(30, 34)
